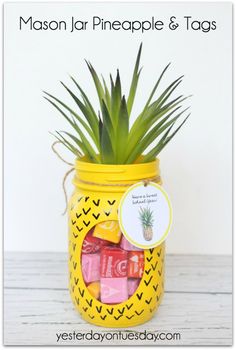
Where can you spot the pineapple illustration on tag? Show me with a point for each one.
(150, 209)
(147, 220)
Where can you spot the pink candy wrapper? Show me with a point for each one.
(133, 285)
(126, 245)
(113, 290)
(91, 267)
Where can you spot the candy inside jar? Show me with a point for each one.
(112, 267)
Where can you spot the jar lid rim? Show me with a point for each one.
(82, 165)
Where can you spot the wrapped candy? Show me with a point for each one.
(133, 285)
(126, 245)
(113, 262)
(112, 271)
(114, 290)
(108, 230)
(94, 289)
(92, 244)
(91, 267)
(135, 264)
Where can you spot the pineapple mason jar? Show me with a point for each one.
(94, 241)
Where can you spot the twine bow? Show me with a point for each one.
(146, 182)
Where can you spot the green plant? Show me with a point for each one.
(113, 141)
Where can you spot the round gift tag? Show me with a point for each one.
(145, 215)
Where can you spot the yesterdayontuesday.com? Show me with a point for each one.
(113, 336)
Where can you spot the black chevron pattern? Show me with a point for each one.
(84, 212)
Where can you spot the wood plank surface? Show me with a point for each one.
(197, 305)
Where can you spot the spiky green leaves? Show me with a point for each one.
(146, 217)
(134, 82)
(122, 131)
(105, 137)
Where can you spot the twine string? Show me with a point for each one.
(58, 154)
(145, 182)
(64, 188)
(66, 174)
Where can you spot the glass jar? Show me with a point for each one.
(112, 283)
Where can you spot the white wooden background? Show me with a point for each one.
(197, 302)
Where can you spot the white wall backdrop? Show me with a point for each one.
(196, 165)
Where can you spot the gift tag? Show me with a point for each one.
(145, 215)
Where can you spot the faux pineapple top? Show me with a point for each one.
(113, 140)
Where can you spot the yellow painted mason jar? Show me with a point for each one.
(95, 200)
